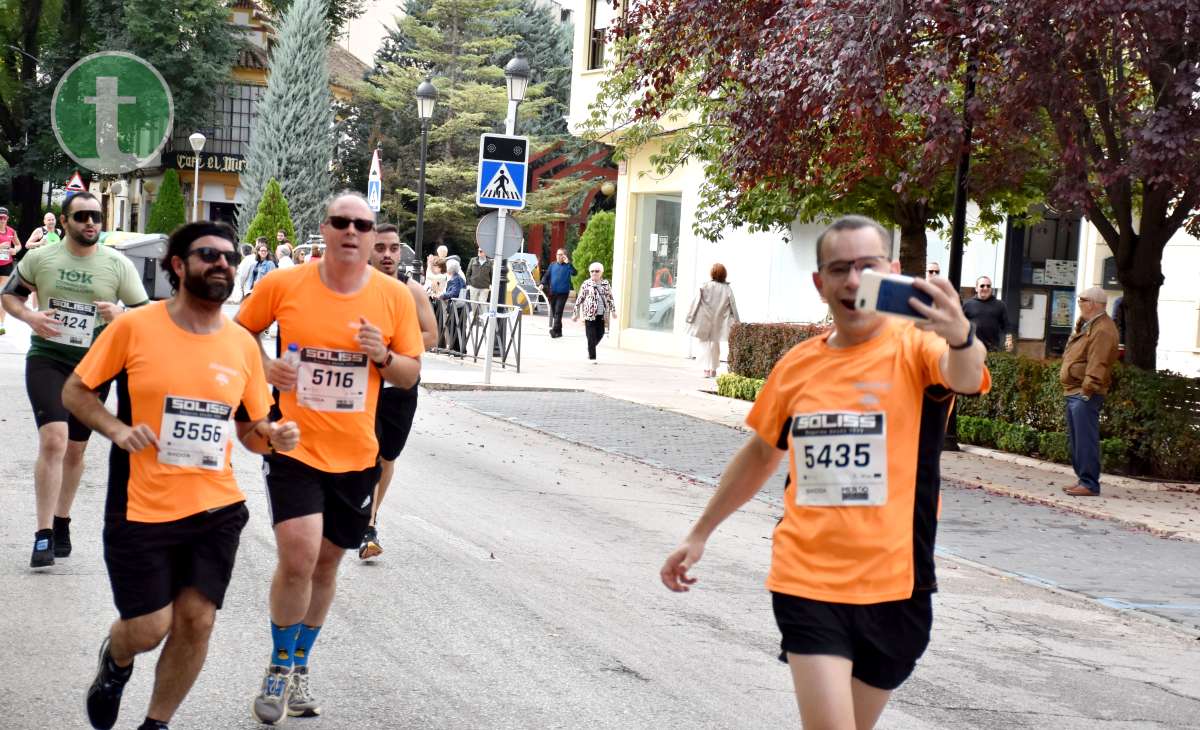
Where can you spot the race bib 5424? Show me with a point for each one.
(839, 459)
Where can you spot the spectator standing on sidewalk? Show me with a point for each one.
(932, 270)
(1086, 375)
(595, 304)
(264, 263)
(989, 315)
(479, 277)
(454, 280)
(713, 312)
(283, 255)
(556, 283)
(436, 279)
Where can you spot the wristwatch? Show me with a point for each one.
(386, 361)
(970, 339)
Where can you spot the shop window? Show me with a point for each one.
(656, 262)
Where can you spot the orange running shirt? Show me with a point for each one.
(335, 398)
(863, 427)
(187, 388)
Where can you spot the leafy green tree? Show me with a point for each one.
(596, 244)
(546, 42)
(292, 138)
(168, 211)
(462, 46)
(337, 16)
(273, 215)
(190, 42)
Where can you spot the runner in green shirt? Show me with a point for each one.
(79, 284)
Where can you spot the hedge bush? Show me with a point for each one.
(732, 385)
(1152, 415)
(754, 347)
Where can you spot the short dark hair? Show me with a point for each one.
(854, 223)
(69, 202)
(184, 236)
(387, 228)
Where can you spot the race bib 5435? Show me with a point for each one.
(840, 459)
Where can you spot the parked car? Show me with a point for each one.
(661, 311)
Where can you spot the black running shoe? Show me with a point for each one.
(104, 696)
(43, 549)
(62, 537)
(370, 546)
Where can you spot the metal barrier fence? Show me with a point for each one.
(462, 329)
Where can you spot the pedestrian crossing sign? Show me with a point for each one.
(503, 165)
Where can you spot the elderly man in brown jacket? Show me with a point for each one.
(1086, 375)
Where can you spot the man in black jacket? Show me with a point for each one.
(989, 315)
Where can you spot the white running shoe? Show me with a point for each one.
(301, 702)
(271, 705)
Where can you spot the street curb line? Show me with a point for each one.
(1081, 510)
(1137, 613)
(478, 386)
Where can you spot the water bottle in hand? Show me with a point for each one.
(292, 356)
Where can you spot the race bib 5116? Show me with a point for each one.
(332, 380)
(839, 459)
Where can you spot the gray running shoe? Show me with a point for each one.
(270, 706)
(301, 702)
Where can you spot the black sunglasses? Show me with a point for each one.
(83, 216)
(362, 225)
(210, 255)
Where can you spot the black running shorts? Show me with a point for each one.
(883, 640)
(393, 419)
(7, 269)
(44, 380)
(149, 563)
(296, 489)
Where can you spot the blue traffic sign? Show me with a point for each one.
(503, 167)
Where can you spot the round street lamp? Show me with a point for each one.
(516, 74)
(196, 140)
(426, 100)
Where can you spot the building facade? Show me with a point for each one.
(658, 263)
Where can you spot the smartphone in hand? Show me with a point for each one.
(889, 294)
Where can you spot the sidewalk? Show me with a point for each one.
(675, 384)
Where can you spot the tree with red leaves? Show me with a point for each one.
(827, 105)
(1118, 82)
(806, 110)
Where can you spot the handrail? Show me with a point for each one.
(462, 329)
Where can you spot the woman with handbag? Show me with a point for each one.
(712, 314)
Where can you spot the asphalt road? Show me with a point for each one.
(519, 590)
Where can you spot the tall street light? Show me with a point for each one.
(197, 141)
(426, 100)
(516, 76)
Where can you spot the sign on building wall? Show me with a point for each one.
(209, 162)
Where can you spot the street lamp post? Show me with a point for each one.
(426, 100)
(197, 141)
(516, 77)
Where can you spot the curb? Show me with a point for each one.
(1014, 493)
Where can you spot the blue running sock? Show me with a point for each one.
(284, 638)
(304, 643)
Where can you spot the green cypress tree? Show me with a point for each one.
(273, 215)
(596, 244)
(292, 139)
(168, 212)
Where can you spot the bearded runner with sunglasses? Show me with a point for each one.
(354, 328)
(188, 382)
(78, 284)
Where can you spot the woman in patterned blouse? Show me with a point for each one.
(595, 303)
